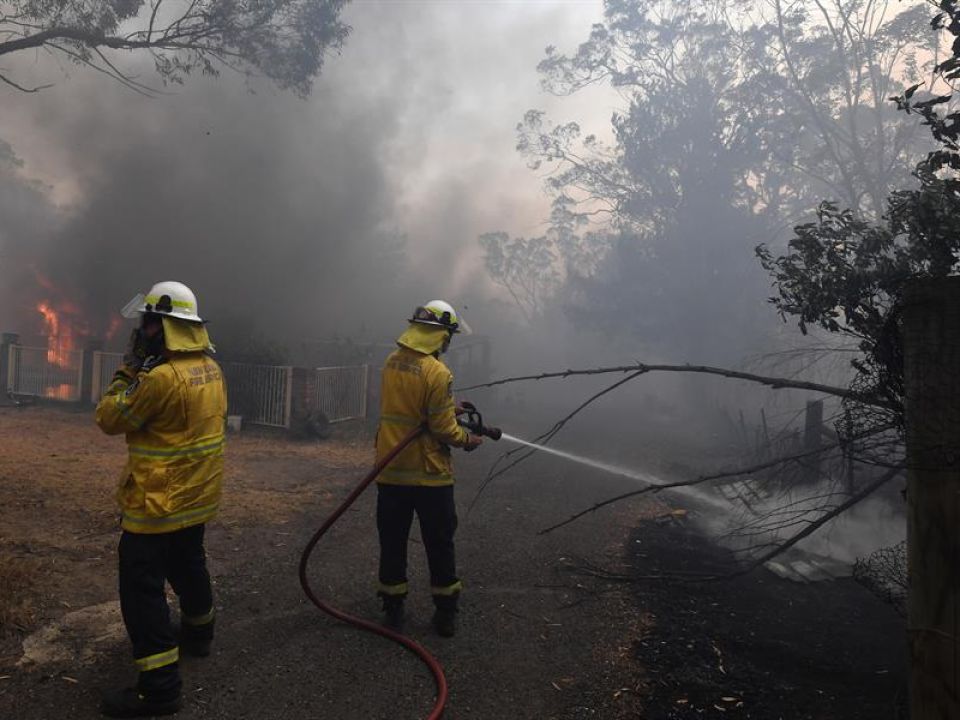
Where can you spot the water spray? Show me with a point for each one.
(590, 462)
(645, 478)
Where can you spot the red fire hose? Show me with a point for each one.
(416, 648)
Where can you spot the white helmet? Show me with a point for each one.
(441, 314)
(170, 298)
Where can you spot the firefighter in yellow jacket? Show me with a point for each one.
(417, 389)
(169, 399)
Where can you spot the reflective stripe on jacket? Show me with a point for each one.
(174, 418)
(416, 389)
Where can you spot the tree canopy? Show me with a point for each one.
(737, 119)
(284, 40)
(846, 274)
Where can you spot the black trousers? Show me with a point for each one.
(147, 562)
(437, 513)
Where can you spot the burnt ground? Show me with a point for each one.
(541, 636)
(758, 646)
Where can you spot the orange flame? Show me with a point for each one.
(60, 336)
(64, 391)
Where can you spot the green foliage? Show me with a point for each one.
(846, 275)
(284, 40)
(791, 98)
(937, 110)
(737, 119)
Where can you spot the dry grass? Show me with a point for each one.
(19, 601)
(58, 476)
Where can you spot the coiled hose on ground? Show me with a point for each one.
(414, 647)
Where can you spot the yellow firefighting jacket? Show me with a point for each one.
(417, 388)
(174, 416)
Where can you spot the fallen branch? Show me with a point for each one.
(543, 438)
(688, 483)
(821, 521)
(640, 368)
(778, 548)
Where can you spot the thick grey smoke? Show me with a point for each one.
(28, 222)
(268, 212)
(295, 219)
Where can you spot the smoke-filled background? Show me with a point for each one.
(292, 218)
(581, 213)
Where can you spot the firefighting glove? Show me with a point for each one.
(465, 406)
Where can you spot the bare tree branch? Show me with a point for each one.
(21, 88)
(285, 40)
(543, 438)
(703, 479)
(778, 548)
(639, 368)
(822, 520)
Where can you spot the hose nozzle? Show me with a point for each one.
(474, 422)
(492, 432)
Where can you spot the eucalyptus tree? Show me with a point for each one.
(284, 40)
(736, 119)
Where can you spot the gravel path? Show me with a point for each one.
(540, 636)
(534, 642)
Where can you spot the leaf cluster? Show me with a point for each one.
(846, 274)
(937, 111)
(284, 40)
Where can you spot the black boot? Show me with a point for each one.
(130, 703)
(445, 622)
(393, 612)
(445, 616)
(195, 640)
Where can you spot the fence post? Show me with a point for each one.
(302, 391)
(89, 374)
(370, 400)
(931, 347)
(7, 341)
(288, 398)
(96, 373)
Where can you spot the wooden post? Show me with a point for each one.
(812, 429)
(766, 435)
(303, 394)
(931, 344)
(288, 397)
(88, 383)
(372, 403)
(7, 340)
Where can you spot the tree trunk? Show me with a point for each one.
(931, 338)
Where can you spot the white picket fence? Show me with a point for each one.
(105, 364)
(262, 394)
(342, 392)
(35, 371)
